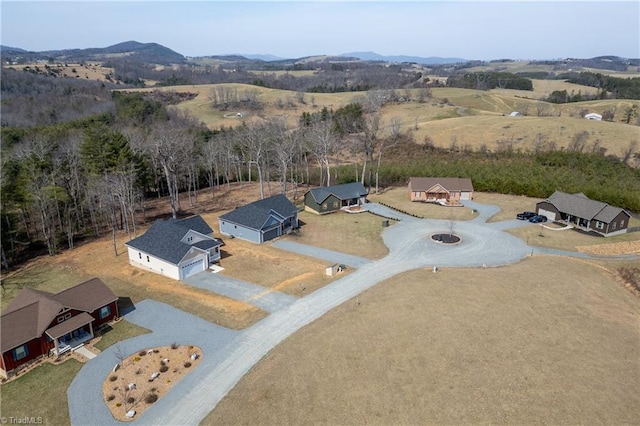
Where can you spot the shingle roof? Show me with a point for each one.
(449, 183)
(87, 296)
(31, 312)
(346, 191)
(256, 214)
(162, 239)
(580, 205)
(196, 223)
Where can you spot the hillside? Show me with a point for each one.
(460, 117)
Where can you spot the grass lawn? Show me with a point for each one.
(42, 392)
(357, 234)
(507, 345)
(118, 332)
(510, 205)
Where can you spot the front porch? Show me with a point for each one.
(71, 334)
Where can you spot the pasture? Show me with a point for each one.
(452, 117)
(463, 346)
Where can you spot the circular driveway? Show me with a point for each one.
(229, 356)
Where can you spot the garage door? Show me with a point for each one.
(465, 195)
(192, 268)
(550, 215)
(270, 234)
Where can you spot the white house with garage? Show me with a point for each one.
(175, 248)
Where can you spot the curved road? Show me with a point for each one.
(409, 248)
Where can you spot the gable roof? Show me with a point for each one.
(581, 206)
(31, 312)
(449, 183)
(255, 215)
(346, 191)
(162, 239)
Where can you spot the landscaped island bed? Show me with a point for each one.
(142, 379)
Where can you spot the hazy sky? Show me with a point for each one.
(463, 29)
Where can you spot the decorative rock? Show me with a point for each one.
(131, 386)
(166, 360)
(131, 413)
(194, 357)
(150, 351)
(154, 376)
(116, 367)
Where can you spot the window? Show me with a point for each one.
(105, 311)
(140, 255)
(60, 319)
(599, 225)
(335, 204)
(324, 206)
(622, 223)
(190, 239)
(147, 258)
(67, 315)
(20, 352)
(613, 225)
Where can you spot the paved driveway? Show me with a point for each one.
(230, 355)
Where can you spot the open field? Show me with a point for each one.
(464, 346)
(470, 117)
(87, 71)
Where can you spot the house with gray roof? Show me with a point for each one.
(260, 221)
(447, 191)
(38, 323)
(584, 213)
(329, 199)
(175, 248)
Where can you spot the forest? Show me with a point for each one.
(80, 161)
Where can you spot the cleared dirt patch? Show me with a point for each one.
(463, 346)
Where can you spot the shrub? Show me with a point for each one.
(155, 351)
(139, 371)
(142, 353)
(113, 378)
(187, 364)
(136, 359)
(111, 397)
(164, 369)
(151, 398)
(118, 405)
(174, 345)
(130, 400)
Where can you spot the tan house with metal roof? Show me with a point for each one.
(446, 191)
(37, 323)
(584, 213)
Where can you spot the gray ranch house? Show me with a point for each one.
(329, 199)
(260, 221)
(175, 248)
(586, 214)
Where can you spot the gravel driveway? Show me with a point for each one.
(229, 355)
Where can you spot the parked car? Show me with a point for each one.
(538, 218)
(525, 215)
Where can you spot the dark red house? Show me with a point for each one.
(38, 323)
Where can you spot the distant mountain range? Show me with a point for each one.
(372, 56)
(154, 53)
